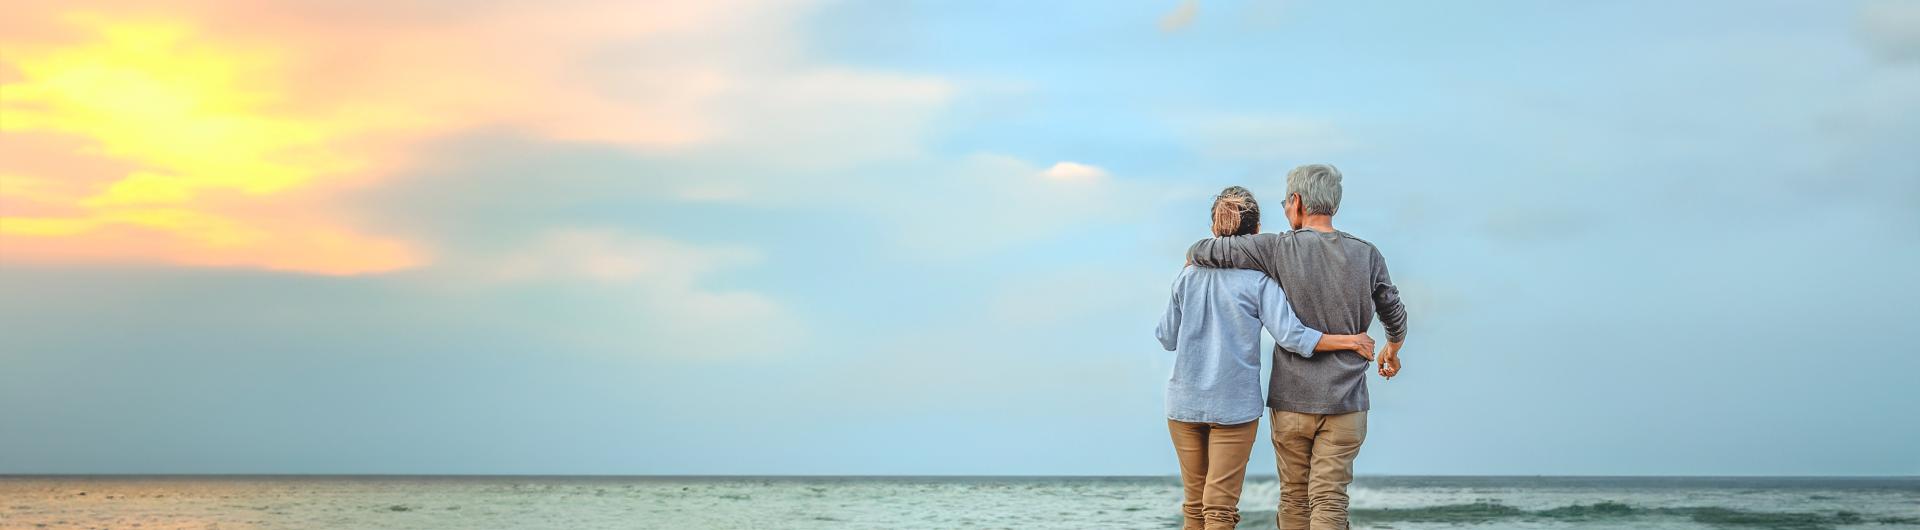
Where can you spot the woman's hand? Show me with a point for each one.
(1361, 344)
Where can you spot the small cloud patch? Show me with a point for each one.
(1074, 172)
(1181, 17)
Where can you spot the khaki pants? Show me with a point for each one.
(1315, 453)
(1213, 460)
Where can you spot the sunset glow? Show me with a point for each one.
(195, 133)
(869, 237)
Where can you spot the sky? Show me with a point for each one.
(933, 238)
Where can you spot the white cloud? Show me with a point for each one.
(645, 294)
(1074, 172)
(814, 119)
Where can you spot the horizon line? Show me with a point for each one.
(856, 476)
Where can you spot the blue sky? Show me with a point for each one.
(933, 238)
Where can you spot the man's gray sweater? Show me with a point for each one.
(1336, 284)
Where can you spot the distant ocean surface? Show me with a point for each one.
(940, 502)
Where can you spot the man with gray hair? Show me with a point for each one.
(1336, 283)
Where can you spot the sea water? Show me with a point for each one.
(933, 502)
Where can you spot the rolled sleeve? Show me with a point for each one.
(1286, 328)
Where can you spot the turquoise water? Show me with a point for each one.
(937, 502)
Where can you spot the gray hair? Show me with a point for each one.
(1318, 186)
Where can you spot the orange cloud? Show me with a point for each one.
(183, 120)
(221, 134)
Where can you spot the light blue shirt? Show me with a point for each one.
(1214, 322)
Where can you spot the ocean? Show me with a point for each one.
(325, 502)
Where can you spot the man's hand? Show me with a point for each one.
(1390, 360)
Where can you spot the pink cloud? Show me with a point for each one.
(223, 132)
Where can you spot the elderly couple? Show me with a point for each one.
(1334, 284)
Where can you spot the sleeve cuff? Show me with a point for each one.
(1310, 339)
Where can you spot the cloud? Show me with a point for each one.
(228, 133)
(640, 293)
(1891, 29)
(190, 142)
(1040, 299)
(987, 202)
(1264, 137)
(1074, 172)
(607, 257)
(1534, 226)
(795, 118)
(1181, 17)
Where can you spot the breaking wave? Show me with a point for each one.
(1605, 511)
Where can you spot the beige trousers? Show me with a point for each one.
(1213, 460)
(1315, 453)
